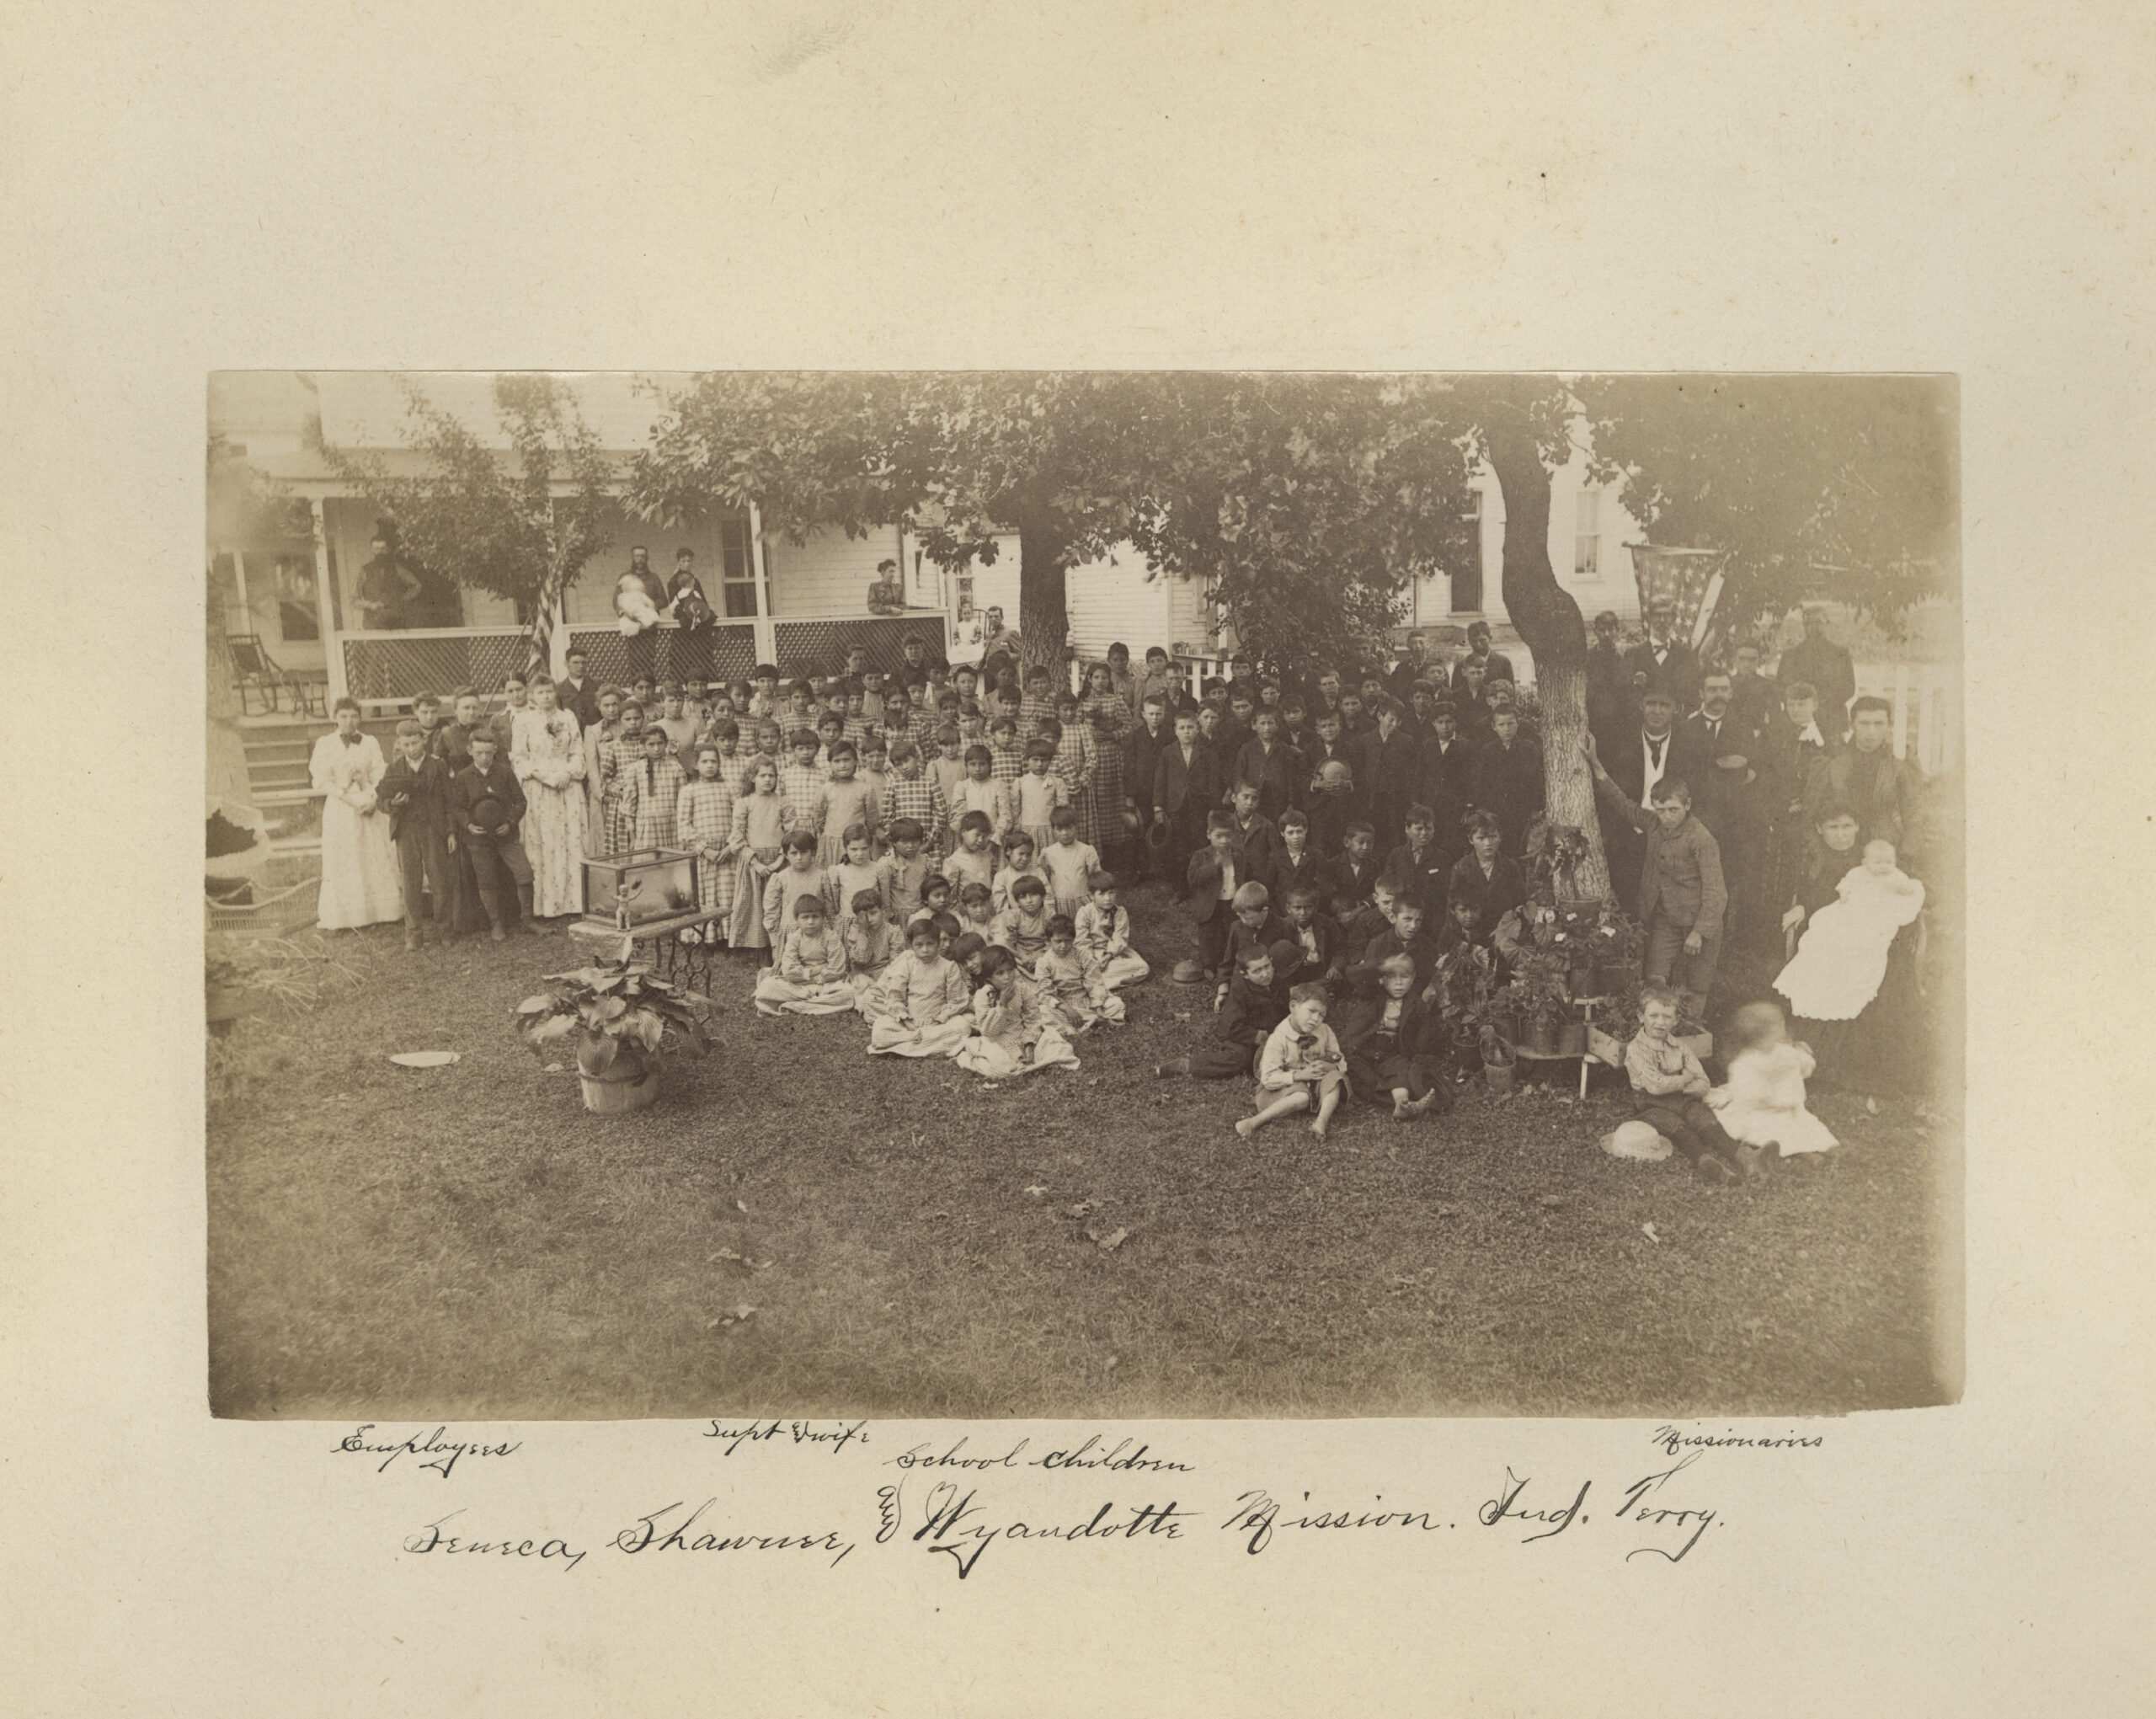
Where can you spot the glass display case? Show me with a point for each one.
(629, 889)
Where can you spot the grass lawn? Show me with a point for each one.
(468, 1241)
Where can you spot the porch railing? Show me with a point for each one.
(726, 650)
(393, 667)
(819, 645)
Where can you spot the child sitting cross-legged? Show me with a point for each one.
(1258, 1002)
(1019, 1032)
(920, 1006)
(1022, 927)
(873, 942)
(1388, 1040)
(1071, 979)
(1102, 927)
(810, 976)
(1672, 1089)
(973, 860)
(1301, 1068)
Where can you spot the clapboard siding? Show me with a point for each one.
(830, 574)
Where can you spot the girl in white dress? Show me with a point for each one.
(546, 752)
(360, 880)
(1763, 1104)
(1842, 962)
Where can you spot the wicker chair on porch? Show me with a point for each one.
(257, 672)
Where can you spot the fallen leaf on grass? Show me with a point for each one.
(1553, 1199)
(1109, 1243)
(1035, 1191)
(740, 1315)
(1647, 1230)
(1448, 1211)
(1080, 1210)
(741, 1208)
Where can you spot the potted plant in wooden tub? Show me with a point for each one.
(1489, 1021)
(621, 1022)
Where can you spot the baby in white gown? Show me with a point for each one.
(632, 604)
(1842, 961)
(1763, 1104)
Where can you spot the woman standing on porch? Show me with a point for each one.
(360, 880)
(546, 752)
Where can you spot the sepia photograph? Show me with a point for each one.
(1167, 894)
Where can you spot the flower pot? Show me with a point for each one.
(611, 1097)
(1572, 1039)
(1541, 1036)
(1467, 1053)
(1497, 1076)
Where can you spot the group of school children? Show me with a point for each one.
(946, 859)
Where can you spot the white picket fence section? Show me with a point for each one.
(1926, 701)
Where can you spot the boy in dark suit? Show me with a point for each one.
(1419, 865)
(415, 791)
(486, 804)
(1486, 877)
(1277, 768)
(1387, 1041)
(1349, 879)
(1187, 788)
(1508, 779)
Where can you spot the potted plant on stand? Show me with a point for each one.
(621, 1022)
(1539, 998)
(1618, 946)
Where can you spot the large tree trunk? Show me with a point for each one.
(1044, 622)
(1550, 622)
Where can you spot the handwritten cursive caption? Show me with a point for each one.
(442, 1453)
(1665, 1512)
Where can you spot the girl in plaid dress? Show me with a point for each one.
(760, 823)
(653, 790)
(1102, 700)
(703, 823)
(1111, 832)
(619, 754)
(910, 792)
(801, 781)
(1075, 753)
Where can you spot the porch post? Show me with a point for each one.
(767, 634)
(332, 656)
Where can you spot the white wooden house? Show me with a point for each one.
(779, 602)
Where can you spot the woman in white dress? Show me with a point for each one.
(359, 881)
(546, 752)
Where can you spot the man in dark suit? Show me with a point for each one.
(1187, 785)
(1817, 660)
(579, 692)
(1385, 761)
(1668, 663)
(1714, 734)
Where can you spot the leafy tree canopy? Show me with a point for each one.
(1841, 487)
(1303, 503)
(490, 520)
